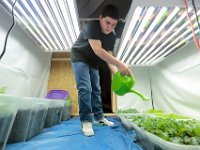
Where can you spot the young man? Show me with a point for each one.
(95, 44)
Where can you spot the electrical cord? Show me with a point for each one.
(191, 24)
(152, 102)
(195, 12)
(12, 26)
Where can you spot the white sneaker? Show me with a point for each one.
(87, 128)
(103, 122)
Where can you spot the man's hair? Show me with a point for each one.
(110, 11)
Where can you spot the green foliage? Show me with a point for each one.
(160, 113)
(153, 111)
(68, 101)
(2, 90)
(128, 111)
(170, 129)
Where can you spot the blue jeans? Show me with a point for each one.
(89, 91)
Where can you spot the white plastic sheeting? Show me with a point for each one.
(24, 68)
(176, 83)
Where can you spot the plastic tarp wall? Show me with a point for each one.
(176, 82)
(142, 85)
(25, 67)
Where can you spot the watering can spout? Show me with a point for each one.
(122, 84)
(140, 95)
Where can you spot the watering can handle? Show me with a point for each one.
(130, 76)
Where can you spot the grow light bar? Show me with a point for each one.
(180, 41)
(45, 21)
(26, 25)
(31, 22)
(52, 23)
(148, 32)
(153, 34)
(178, 45)
(160, 29)
(136, 15)
(139, 31)
(160, 39)
(39, 23)
(180, 32)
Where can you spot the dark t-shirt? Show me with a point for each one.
(81, 49)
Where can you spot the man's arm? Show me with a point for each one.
(107, 57)
(112, 68)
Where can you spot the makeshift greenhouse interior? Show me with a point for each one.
(160, 42)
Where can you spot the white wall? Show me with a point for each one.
(25, 67)
(176, 82)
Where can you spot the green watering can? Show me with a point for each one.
(122, 84)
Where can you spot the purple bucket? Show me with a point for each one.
(57, 94)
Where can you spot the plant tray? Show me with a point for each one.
(153, 142)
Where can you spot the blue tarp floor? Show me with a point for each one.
(68, 136)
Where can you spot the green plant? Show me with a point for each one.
(131, 110)
(2, 90)
(68, 101)
(170, 129)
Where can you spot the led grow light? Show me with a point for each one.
(44, 20)
(161, 38)
(68, 24)
(26, 25)
(39, 24)
(183, 38)
(178, 45)
(59, 23)
(150, 28)
(52, 23)
(181, 32)
(72, 9)
(155, 35)
(148, 13)
(130, 27)
(150, 39)
(33, 24)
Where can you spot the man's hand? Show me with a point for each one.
(124, 69)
